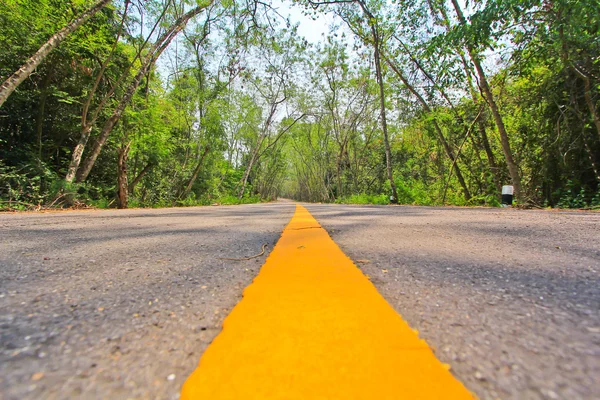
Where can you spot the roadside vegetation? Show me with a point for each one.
(157, 103)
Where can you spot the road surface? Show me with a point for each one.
(122, 304)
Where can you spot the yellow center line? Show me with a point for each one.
(312, 326)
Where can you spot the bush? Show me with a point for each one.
(192, 201)
(485, 200)
(363, 198)
(571, 197)
(26, 187)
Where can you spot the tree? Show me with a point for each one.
(241, 108)
(149, 59)
(10, 84)
(272, 93)
(492, 104)
(88, 121)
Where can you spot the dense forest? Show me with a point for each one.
(151, 103)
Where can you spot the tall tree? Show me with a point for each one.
(88, 121)
(10, 84)
(159, 46)
(490, 98)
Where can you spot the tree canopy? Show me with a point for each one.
(185, 102)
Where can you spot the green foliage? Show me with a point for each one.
(192, 126)
(573, 197)
(224, 200)
(25, 186)
(364, 199)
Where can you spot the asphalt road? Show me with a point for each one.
(121, 304)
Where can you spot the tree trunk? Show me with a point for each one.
(467, 135)
(256, 153)
(379, 75)
(339, 167)
(249, 167)
(122, 191)
(138, 178)
(78, 153)
(339, 176)
(587, 92)
(194, 176)
(493, 166)
(504, 140)
(448, 149)
(86, 122)
(39, 120)
(161, 44)
(388, 151)
(453, 158)
(489, 97)
(494, 170)
(438, 130)
(488, 151)
(26, 69)
(39, 124)
(591, 157)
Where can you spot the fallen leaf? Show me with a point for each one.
(37, 376)
(100, 308)
(203, 287)
(363, 261)
(384, 271)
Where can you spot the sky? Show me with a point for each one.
(312, 30)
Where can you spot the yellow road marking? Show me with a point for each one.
(312, 326)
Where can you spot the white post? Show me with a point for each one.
(507, 195)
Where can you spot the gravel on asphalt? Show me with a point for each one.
(121, 304)
(509, 298)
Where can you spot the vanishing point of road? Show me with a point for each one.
(123, 304)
